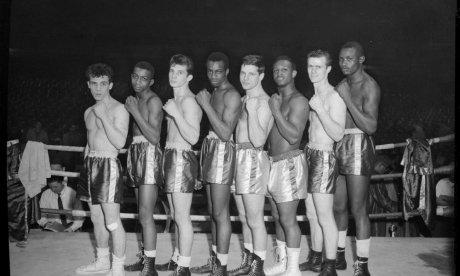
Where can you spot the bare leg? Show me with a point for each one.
(279, 231)
(323, 205)
(100, 232)
(147, 201)
(254, 206)
(288, 221)
(220, 195)
(315, 229)
(182, 203)
(112, 217)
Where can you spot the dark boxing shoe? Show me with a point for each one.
(149, 267)
(340, 262)
(206, 268)
(360, 267)
(328, 268)
(181, 271)
(218, 269)
(313, 262)
(257, 266)
(138, 265)
(245, 266)
(170, 265)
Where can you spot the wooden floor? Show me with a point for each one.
(58, 254)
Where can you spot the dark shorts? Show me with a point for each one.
(355, 153)
(217, 161)
(144, 163)
(322, 169)
(252, 170)
(102, 179)
(180, 169)
(288, 176)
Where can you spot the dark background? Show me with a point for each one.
(409, 45)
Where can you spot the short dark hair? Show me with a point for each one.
(355, 45)
(55, 178)
(99, 70)
(255, 60)
(320, 53)
(180, 59)
(146, 66)
(219, 56)
(287, 58)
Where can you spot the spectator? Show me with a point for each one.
(36, 133)
(50, 199)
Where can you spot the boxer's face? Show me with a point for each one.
(349, 61)
(178, 75)
(141, 79)
(250, 77)
(283, 74)
(317, 69)
(99, 87)
(216, 72)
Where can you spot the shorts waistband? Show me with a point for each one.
(286, 155)
(324, 147)
(247, 145)
(139, 139)
(177, 146)
(213, 135)
(353, 131)
(103, 153)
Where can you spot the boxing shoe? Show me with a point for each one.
(245, 266)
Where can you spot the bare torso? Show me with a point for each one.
(143, 109)
(358, 94)
(316, 132)
(242, 131)
(96, 134)
(277, 144)
(174, 136)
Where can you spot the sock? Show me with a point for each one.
(150, 253)
(102, 252)
(293, 258)
(248, 246)
(342, 239)
(222, 258)
(184, 261)
(282, 248)
(362, 248)
(214, 248)
(175, 255)
(261, 254)
(118, 260)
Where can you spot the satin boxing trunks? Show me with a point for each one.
(217, 160)
(144, 163)
(355, 153)
(252, 169)
(102, 180)
(322, 168)
(288, 176)
(180, 168)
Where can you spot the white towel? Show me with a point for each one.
(34, 168)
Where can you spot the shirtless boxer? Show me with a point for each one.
(252, 163)
(144, 159)
(288, 172)
(355, 153)
(217, 160)
(107, 124)
(327, 123)
(180, 164)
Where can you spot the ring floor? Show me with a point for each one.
(59, 254)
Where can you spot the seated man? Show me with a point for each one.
(60, 196)
(445, 197)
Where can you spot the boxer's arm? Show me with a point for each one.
(366, 120)
(260, 122)
(225, 127)
(333, 121)
(151, 128)
(292, 127)
(118, 130)
(188, 122)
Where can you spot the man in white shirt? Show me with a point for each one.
(50, 200)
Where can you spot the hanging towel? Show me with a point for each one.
(34, 168)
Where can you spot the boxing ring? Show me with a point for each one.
(53, 254)
(441, 170)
